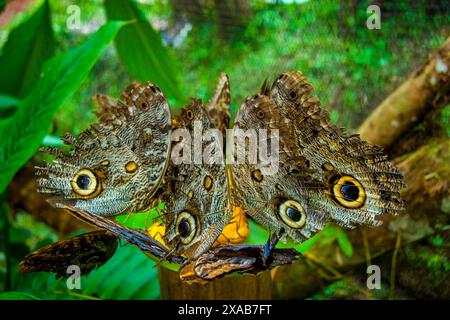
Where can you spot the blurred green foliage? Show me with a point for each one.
(49, 73)
(26, 50)
(23, 132)
(141, 50)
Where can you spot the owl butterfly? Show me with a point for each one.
(322, 173)
(196, 190)
(117, 164)
(113, 168)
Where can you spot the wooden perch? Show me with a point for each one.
(242, 287)
(427, 175)
(401, 110)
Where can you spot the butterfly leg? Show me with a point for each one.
(270, 245)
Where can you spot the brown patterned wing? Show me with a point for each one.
(324, 174)
(263, 190)
(218, 106)
(195, 193)
(87, 251)
(224, 260)
(360, 183)
(117, 164)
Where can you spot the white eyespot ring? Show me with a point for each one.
(292, 214)
(85, 183)
(186, 227)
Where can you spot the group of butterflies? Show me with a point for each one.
(122, 165)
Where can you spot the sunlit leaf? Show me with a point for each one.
(129, 274)
(140, 220)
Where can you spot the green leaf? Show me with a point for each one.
(345, 244)
(438, 241)
(139, 279)
(258, 235)
(28, 47)
(141, 50)
(8, 105)
(14, 295)
(43, 285)
(21, 134)
(308, 244)
(140, 220)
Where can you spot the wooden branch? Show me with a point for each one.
(427, 175)
(401, 110)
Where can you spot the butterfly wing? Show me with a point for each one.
(136, 237)
(87, 251)
(117, 164)
(259, 191)
(195, 194)
(323, 174)
(361, 184)
(228, 259)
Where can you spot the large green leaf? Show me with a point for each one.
(27, 48)
(8, 105)
(129, 274)
(21, 134)
(141, 50)
(13, 295)
(7, 102)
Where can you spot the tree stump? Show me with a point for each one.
(235, 287)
